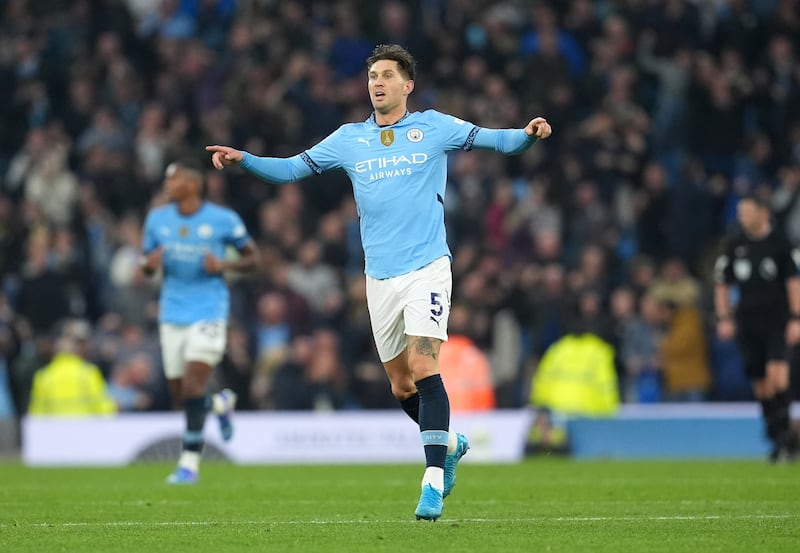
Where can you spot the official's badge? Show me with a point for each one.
(742, 269)
(387, 137)
(414, 135)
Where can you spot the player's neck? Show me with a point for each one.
(189, 206)
(390, 118)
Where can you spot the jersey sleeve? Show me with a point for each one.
(326, 155)
(504, 141)
(280, 170)
(237, 235)
(457, 134)
(149, 235)
(789, 259)
(723, 267)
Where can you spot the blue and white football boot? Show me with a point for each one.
(183, 475)
(451, 461)
(430, 504)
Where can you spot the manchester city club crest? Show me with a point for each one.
(205, 231)
(414, 135)
(387, 137)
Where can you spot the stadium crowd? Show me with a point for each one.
(664, 113)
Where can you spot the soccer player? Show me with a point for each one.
(763, 265)
(187, 239)
(397, 163)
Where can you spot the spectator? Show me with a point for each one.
(312, 278)
(674, 285)
(324, 374)
(683, 354)
(576, 376)
(69, 385)
(272, 339)
(42, 298)
(639, 352)
(132, 382)
(53, 187)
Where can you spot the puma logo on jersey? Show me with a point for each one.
(365, 141)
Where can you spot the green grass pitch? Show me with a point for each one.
(537, 506)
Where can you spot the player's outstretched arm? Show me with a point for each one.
(512, 141)
(273, 169)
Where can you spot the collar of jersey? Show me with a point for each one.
(374, 122)
(189, 216)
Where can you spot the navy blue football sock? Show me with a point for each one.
(434, 419)
(767, 413)
(411, 406)
(781, 404)
(196, 409)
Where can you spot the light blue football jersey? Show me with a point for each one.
(189, 294)
(399, 175)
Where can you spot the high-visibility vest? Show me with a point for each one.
(576, 376)
(69, 386)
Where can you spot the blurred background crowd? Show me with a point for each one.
(664, 114)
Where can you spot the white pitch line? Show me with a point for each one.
(140, 523)
(673, 517)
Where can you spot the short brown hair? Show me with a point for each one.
(394, 52)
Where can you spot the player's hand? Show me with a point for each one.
(223, 156)
(151, 262)
(726, 329)
(212, 264)
(793, 332)
(539, 127)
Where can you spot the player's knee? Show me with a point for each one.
(195, 379)
(762, 389)
(403, 390)
(777, 370)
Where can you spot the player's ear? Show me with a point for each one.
(409, 87)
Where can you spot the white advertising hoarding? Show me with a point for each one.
(269, 437)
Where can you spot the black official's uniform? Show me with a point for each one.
(760, 269)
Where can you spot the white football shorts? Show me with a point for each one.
(203, 341)
(413, 304)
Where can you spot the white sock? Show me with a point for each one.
(218, 404)
(452, 442)
(190, 460)
(435, 477)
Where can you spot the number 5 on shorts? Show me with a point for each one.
(437, 309)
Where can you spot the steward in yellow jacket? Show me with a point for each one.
(70, 386)
(577, 376)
